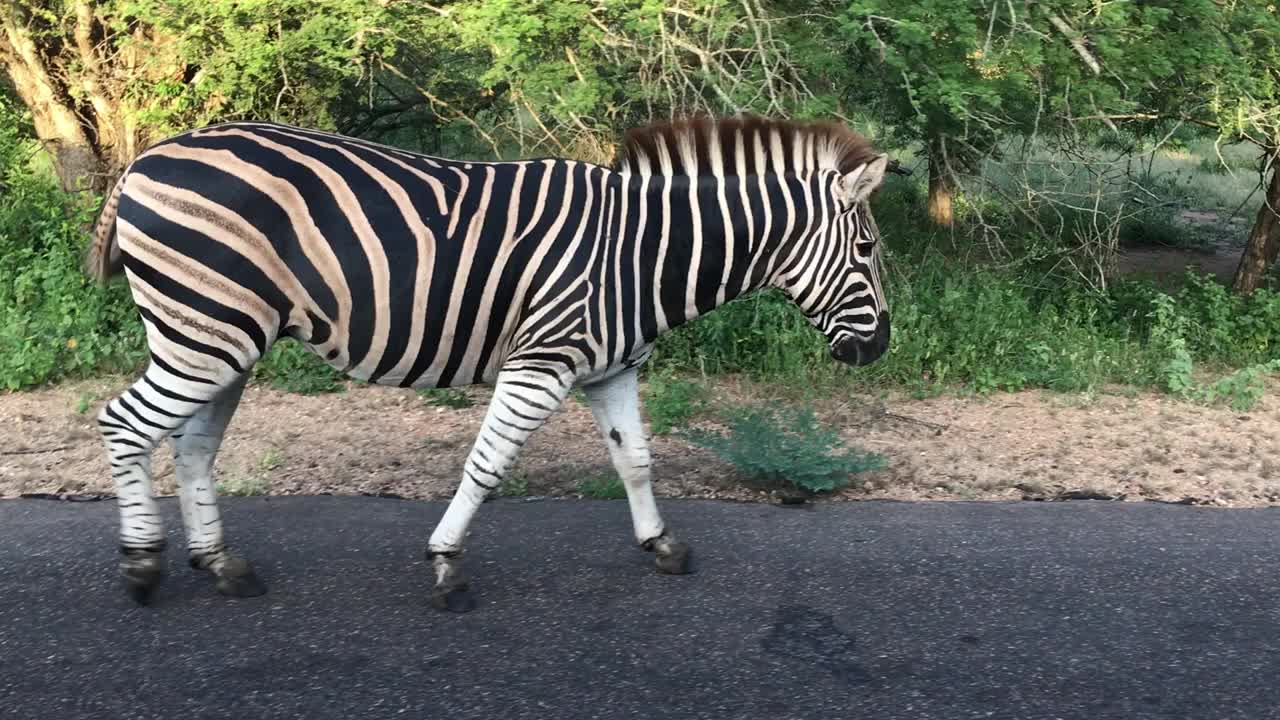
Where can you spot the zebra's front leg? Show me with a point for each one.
(522, 402)
(195, 445)
(615, 403)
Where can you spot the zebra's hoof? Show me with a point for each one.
(674, 559)
(456, 596)
(142, 575)
(236, 578)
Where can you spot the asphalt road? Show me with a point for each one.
(872, 610)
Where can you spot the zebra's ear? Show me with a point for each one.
(858, 184)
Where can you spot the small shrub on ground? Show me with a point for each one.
(1242, 389)
(253, 481)
(85, 402)
(514, 485)
(455, 398)
(603, 487)
(785, 447)
(270, 460)
(671, 402)
(243, 486)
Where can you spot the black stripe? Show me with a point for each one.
(169, 393)
(178, 338)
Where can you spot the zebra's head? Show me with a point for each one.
(839, 287)
(797, 195)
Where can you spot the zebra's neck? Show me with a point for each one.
(694, 244)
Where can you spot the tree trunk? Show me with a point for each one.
(74, 94)
(942, 187)
(1264, 238)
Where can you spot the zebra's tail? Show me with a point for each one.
(103, 257)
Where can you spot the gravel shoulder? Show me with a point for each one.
(372, 440)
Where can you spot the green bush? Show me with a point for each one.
(994, 329)
(54, 322)
(1241, 389)
(671, 402)
(785, 447)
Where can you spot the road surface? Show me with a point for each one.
(870, 610)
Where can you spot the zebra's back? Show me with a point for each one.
(395, 267)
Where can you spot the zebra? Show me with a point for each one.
(533, 276)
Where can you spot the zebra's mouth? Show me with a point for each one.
(864, 351)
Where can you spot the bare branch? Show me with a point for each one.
(1076, 42)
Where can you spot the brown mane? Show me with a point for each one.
(692, 144)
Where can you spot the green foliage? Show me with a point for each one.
(970, 70)
(785, 446)
(570, 76)
(603, 487)
(455, 398)
(943, 68)
(1241, 389)
(85, 402)
(763, 335)
(513, 485)
(285, 60)
(244, 486)
(293, 368)
(270, 460)
(987, 329)
(54, 322)
(1173, 367)
(671, 402)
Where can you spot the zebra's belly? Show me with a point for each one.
(432, 378)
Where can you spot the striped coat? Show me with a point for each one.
(402, 269)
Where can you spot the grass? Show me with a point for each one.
(606, 486)
(86, 401)
(243, 486)
(513, 485)
(454, 398)
(253, 481)
(271, 460)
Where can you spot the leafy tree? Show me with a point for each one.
(952, 75)
(956, 75)
(104, 78)
(1211, 64)
(572, 75)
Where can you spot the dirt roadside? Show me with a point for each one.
(1034, 445)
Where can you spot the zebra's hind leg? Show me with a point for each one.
(522, 401)
(195, 445)
(132, 425)
(615, 403)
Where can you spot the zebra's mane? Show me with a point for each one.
(692, 145)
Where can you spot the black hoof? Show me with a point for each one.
(675, 561)
(141, 582)
(453, 596)
(142, 570)
(236, 578)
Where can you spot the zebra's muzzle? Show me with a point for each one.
(857, 351)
